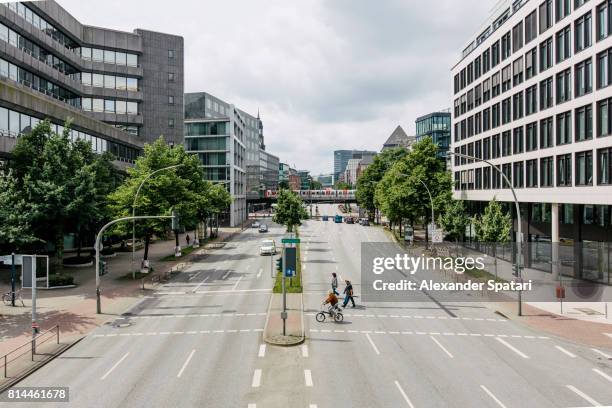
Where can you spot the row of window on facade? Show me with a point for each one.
(526, 31)
(13, 123)
(206, 128)
(590, 214)
(110, 106)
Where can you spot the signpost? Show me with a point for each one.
(288, 270)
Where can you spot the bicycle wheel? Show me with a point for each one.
(338, 317)
(320, 317)
(6, 298)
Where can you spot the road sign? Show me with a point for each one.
(408, 234)
(437, 236)
(290, 240)
(290, 257)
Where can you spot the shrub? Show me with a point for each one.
(61, 280)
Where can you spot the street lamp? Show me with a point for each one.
(433, 219)
(519, 236)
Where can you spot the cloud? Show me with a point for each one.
(325, 74)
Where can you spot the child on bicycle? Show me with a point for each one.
(332, 300)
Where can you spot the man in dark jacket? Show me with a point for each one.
(348, 294)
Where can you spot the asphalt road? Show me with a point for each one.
(197, 341)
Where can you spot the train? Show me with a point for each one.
(318, 194)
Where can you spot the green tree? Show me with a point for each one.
(283, 185)
(316, 185)
(493, 227)
(289, 210)
(218, 200)
(341, 185)
(454, 220)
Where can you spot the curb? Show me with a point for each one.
(279, 339)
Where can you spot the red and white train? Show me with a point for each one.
(319, 194)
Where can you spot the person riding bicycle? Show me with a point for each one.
(332, 300)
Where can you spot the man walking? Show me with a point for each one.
(334, 284)
(348, 294)
(187, 238)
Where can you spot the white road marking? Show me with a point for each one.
(200, 284)
(237, 282)
(584, 396)
(259, 273)
(224, 277)
(312, 406)
(214, 292)
(564, 351)
(401, 390)
(180, 373)
(308, 378)
(114, 366)
(609, 335)
(194, 276)
(252, 406)
(511, 347)
(493, 397)
(441, 346)
(305, 351)
(601, 353)
(604, 375)
(372, 344)
(256, 378)
(262, 350)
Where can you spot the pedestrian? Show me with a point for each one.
(334, 284)
(348, 294)
(187, 238)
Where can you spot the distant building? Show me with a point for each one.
(350, 174)
(295, 182)
(398, 138)
(342, 157)
(305, 179)
(437, 126)
(326, 180)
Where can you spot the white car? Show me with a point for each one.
(255, 224)
(268, 247)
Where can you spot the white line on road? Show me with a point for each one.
(511, 347)
(312, 406)
(259, 273)
(609, 335)
(252, 406)
(308, 377)
(490, 394)
(441, 346)
(115, 366)
(237, 282)
(305, 351)
(200, 284)
(262, 350)
(256, 378)
(401, 390)
(224, 277)
(601, 353)
(372, 343)
(604, 375)
(185, 364)
(564, 351)
(584, 396)
(194, 276)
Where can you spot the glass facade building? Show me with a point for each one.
(437, 126)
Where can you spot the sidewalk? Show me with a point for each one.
(74, 309)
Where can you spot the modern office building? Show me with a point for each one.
(305, 179)
(342, 157)
(398, 138)
(533, 97)
(437, 126)
(326, 180)
(262, 176)
(217, 132)
(119, 89)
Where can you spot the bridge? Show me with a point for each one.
(319, 196)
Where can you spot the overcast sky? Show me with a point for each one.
(325, 74)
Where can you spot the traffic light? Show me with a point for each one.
(102, 267)
(279, 264)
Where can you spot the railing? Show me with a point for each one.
(29, 348)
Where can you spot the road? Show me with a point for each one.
(197, 341)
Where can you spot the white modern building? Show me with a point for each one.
(532, 96)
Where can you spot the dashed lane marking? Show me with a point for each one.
(418, 317)
(262, 350)
(511, 347)
(114, 366)
(305, 351)
(308, 378)
(584, 396)
(372, 344)
(256, 378)
(601, 353)
(441, 346)
(564, 351)
(604, 375)
(180, 373)
(401, 390)
(493, 397)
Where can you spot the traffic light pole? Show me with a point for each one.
(99, 240)
(284, 314)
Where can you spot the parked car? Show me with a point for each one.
(255, 224)
(325, 218)
(268, 247)
(263, 228)
(349, 220)
(338, 219)
(364, 221)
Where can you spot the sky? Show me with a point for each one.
(324, 74)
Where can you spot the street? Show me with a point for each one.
(197, 341)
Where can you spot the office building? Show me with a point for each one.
(532, 96)
(217, 132)
(305, 179)
(120, 89)
(326, 180)
(398, 138)
(437, 126)
(342, 157)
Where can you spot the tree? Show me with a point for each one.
(316, 185)
(283, 185)
(289, 210)
(218, 200)
(341, 185)
(454, 220)
(182, 189)
(371, 176)
(493, 227)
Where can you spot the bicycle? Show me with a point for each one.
(333, 312)
(7, 298)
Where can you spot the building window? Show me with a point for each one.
(532, 173)
(506, 48)
(603, 20)
(583, 78)
(171, 54)
(495, 148)
(532, 136)
(604, 166)
(517, 37)
(531, 105)
(582, 32)
(478, 123)
(486, 90)
(170, 123)
(584, 123)
(517, 71)
(517, 106)
(563, 43)
(506, 78)
(477, 95)
(495, 113)
(584, 168)
(495, 85)
(531, 63)
(477, 68)
(486, 148)
(604, 68)
(564, 170)
(506, 143)
(564, 86)
(546, 93)
(546, 172)
(170, 76)
(531, 27)
(496, 177)
(170, 100)
(486, 121)
(564, 128)
(546, 54)
(603, 117)
(546, 133)
(562, 9)
(579, 3)
(518, 176)
(517, 140)
(545, 13)
(495, 54)
(507, 170)
(506, 111)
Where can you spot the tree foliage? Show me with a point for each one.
(454, 220)
(290, 210)
(494, 225)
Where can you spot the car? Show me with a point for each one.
(255, 224)
(267, 247)
(349, 220)
(263, 228)
(325, 218)
(364, 221)
(338, 219)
